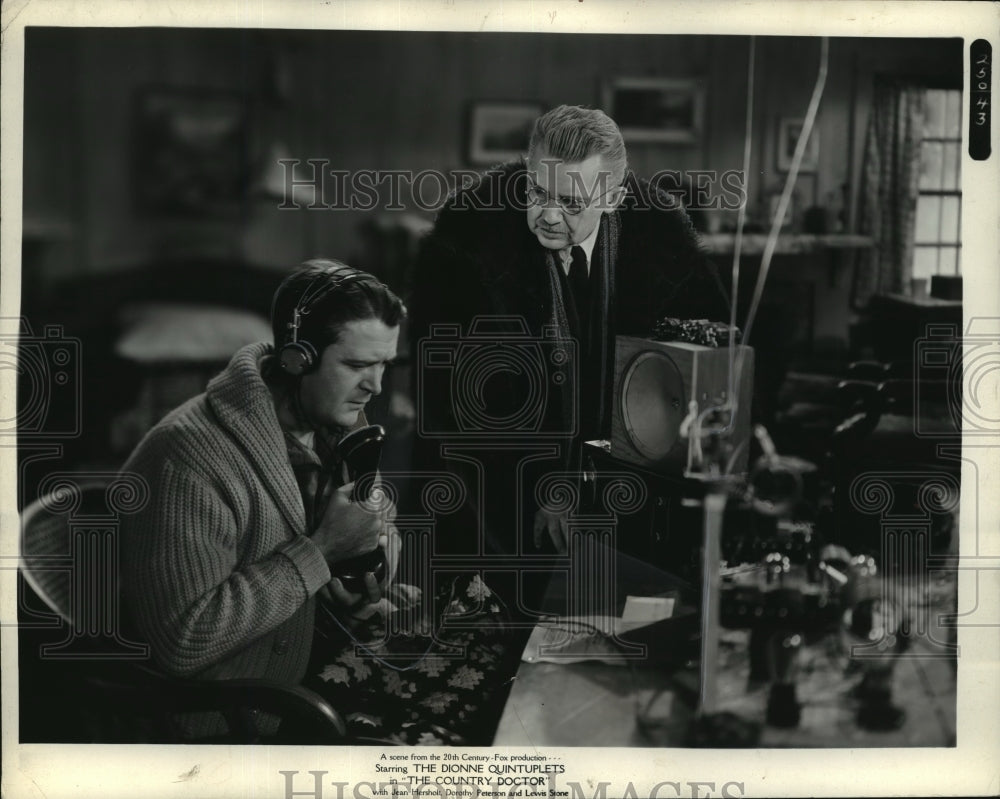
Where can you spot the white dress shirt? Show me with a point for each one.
(566, 257)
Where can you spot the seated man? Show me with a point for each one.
(224, 569)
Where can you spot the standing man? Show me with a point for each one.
(567, 241)
(247, 514)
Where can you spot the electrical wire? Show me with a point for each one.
(367, 648)
(786, 194)
(740, 222)
(732, 399)
(371, 653)
(737, 361)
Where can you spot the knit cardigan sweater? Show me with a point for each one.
(218, 574)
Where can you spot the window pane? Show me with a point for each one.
(928, 219)
(949, 219)
(931, 164)
(952, 163)
(934, 111)
(948, 264)
(953, 114)
(925, 261)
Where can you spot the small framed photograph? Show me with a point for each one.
(499, 131)
(789, 130)
(666, 110)
(190, 151)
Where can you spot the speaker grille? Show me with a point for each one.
(653, 403)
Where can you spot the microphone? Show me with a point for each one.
(361, 451)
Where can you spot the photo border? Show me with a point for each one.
(208, 772)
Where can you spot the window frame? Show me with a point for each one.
(939, 244)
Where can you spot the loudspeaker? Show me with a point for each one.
(655, 381)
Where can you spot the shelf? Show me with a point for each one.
(788, 243)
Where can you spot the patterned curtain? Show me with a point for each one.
(888, 203)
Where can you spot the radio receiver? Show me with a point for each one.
(655, 381)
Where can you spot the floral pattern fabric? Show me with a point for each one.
(397, 678)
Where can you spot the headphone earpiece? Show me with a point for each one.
(299, 357)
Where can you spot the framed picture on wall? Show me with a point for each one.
(499, 130)
(789, 130)
(666, 110)
(190, 155)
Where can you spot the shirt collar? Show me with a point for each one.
(565, 257)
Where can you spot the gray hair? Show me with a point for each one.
(572, 134)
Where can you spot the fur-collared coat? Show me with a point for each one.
(481, 259)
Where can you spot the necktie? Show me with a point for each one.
(579, 284)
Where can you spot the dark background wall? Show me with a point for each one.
(392, 100)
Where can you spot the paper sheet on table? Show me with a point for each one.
(572, 639)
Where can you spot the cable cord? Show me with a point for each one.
(367, 646)
(740, 222)
(737, 362)
(786, 194)
(732, 399)
(371, 653)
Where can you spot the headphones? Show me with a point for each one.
(300, 357)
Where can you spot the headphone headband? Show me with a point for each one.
(299, 357)
(311, 296)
